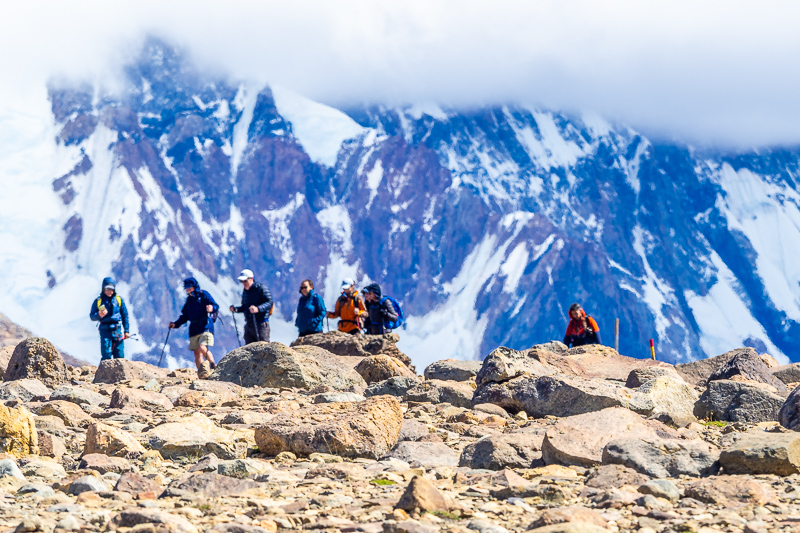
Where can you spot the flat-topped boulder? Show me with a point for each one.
(376, 368)
(453, 370)
(195, 435)
(347, 345)
(272, 364)
(118, 370)
(698, 372)
(37, 358)
(749, 366)
(739, 401)
(351, 429)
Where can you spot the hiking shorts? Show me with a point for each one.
(204, 339)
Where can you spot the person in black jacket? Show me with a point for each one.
(200, 311)
(256, 307)
(378, 312)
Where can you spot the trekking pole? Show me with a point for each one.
(255, 327)
(328, 320)
(236, 327)
(616, 334)
(161, 359)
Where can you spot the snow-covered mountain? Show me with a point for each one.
(485, 223)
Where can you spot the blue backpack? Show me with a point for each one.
(401, 317)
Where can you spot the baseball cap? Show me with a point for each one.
(347, 283)
(245, 274)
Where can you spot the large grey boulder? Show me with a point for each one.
(761, 452)
(787, 373)
(435, 391)
(559, 396)
(125, 397)
(272, 364)
(377, 368)
(737, 401)
(661, 458)
(350, 429)
(640, 376)
(396, 386)
(24, 390)
(196, 435)
(789, 414)
(698, 372)
(453, 370)
(579, 440)
(668, 398)
(79, 395)
(356, 346)
(427, 454)
(748, 365)
(510, 450)
(504, 364)
(118, 370)
(37, 358)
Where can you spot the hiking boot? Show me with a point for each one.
(213, 365)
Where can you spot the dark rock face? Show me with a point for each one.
(36, 358)
(735, 401)
(789, 414)
(747, 365)
(600, 216)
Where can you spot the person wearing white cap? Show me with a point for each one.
(256, 307)
(349, 308)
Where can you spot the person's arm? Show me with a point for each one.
(388, 311)
(94, 312)
(181, 319)
(337, 310)
(319, 311)
(595, 329)
(267, 297)
(123, 311)
(209, 300)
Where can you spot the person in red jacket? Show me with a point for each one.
(582, 328)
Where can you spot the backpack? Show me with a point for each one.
(100, 301)
(401, 317)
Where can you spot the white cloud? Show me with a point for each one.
(718, 72)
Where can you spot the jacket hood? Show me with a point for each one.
(191, 282)
(583, 315)
(108, 281)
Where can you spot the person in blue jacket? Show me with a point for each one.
(110, 311)
(310, 310)
(200, 312)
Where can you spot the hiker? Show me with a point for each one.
(200, 310)
(256, 307)
(381, 313)
(110, 311)
(349, 308)
(582, 328)
(310, 310)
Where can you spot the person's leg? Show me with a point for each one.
(105, 347)
(198, 356)
(118, 348)
(263, 331)
(206, 342)
(249, 334)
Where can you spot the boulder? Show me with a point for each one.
(119, 370)
(571, 527)
(24, 390)
(504, 364)
(344, 344)
(333, 397)
(612, 476)
(603, 362)
(162, 520)
(789, 413)
(103, 463)
(787, 373)
(5, 357)
(662, 458)
(126, 398)
(198, 398)
(698, 372)
(79, 396)
(195, 435)
(668, 398)
(421, 494)
(17, 432)
(737, 401)
(559, 396)
(580, 440)
(763, 453)
(108, 440)
(510, 450)
(37, 358)
(453, 370)
(569, 514)
(455, 393)
(140, 487)
(271, 364)
(50, 445)
(749, 366)
(640, 376)
(350, 429)
(413, 430)
(425, 454)
(728, 490)
(376, 368)
(86, 484)
(70, 413)
(397, 386)
(210, 484)
(661, 488)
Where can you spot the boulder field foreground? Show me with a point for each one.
(340, 434)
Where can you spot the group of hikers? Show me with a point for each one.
(372, 314)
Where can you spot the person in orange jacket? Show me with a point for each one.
(582, 328)
(349, 308)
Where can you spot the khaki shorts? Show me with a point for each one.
(204, 339)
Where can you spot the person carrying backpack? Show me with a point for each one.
(256, 307)
(350, 308)
(310, 310)
(112, 314)
(383, 312)
(200, 310)
(582, 329)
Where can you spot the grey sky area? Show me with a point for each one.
(720, 73)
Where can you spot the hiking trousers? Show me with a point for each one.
(250, 332)
(111, 346)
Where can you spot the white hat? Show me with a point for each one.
(347, 283)
(245, 274)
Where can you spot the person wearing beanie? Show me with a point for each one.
(200, 311)
(380, 310)
(112, 314)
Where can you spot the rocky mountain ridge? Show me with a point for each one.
(485, 223)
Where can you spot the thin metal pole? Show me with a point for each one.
(161, 360)
(236, 327)
(616, 334)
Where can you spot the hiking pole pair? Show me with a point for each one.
(236, 327)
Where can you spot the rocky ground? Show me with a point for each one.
(340, 434)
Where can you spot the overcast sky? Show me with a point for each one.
(715, 72)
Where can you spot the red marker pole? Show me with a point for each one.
(652, 350)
